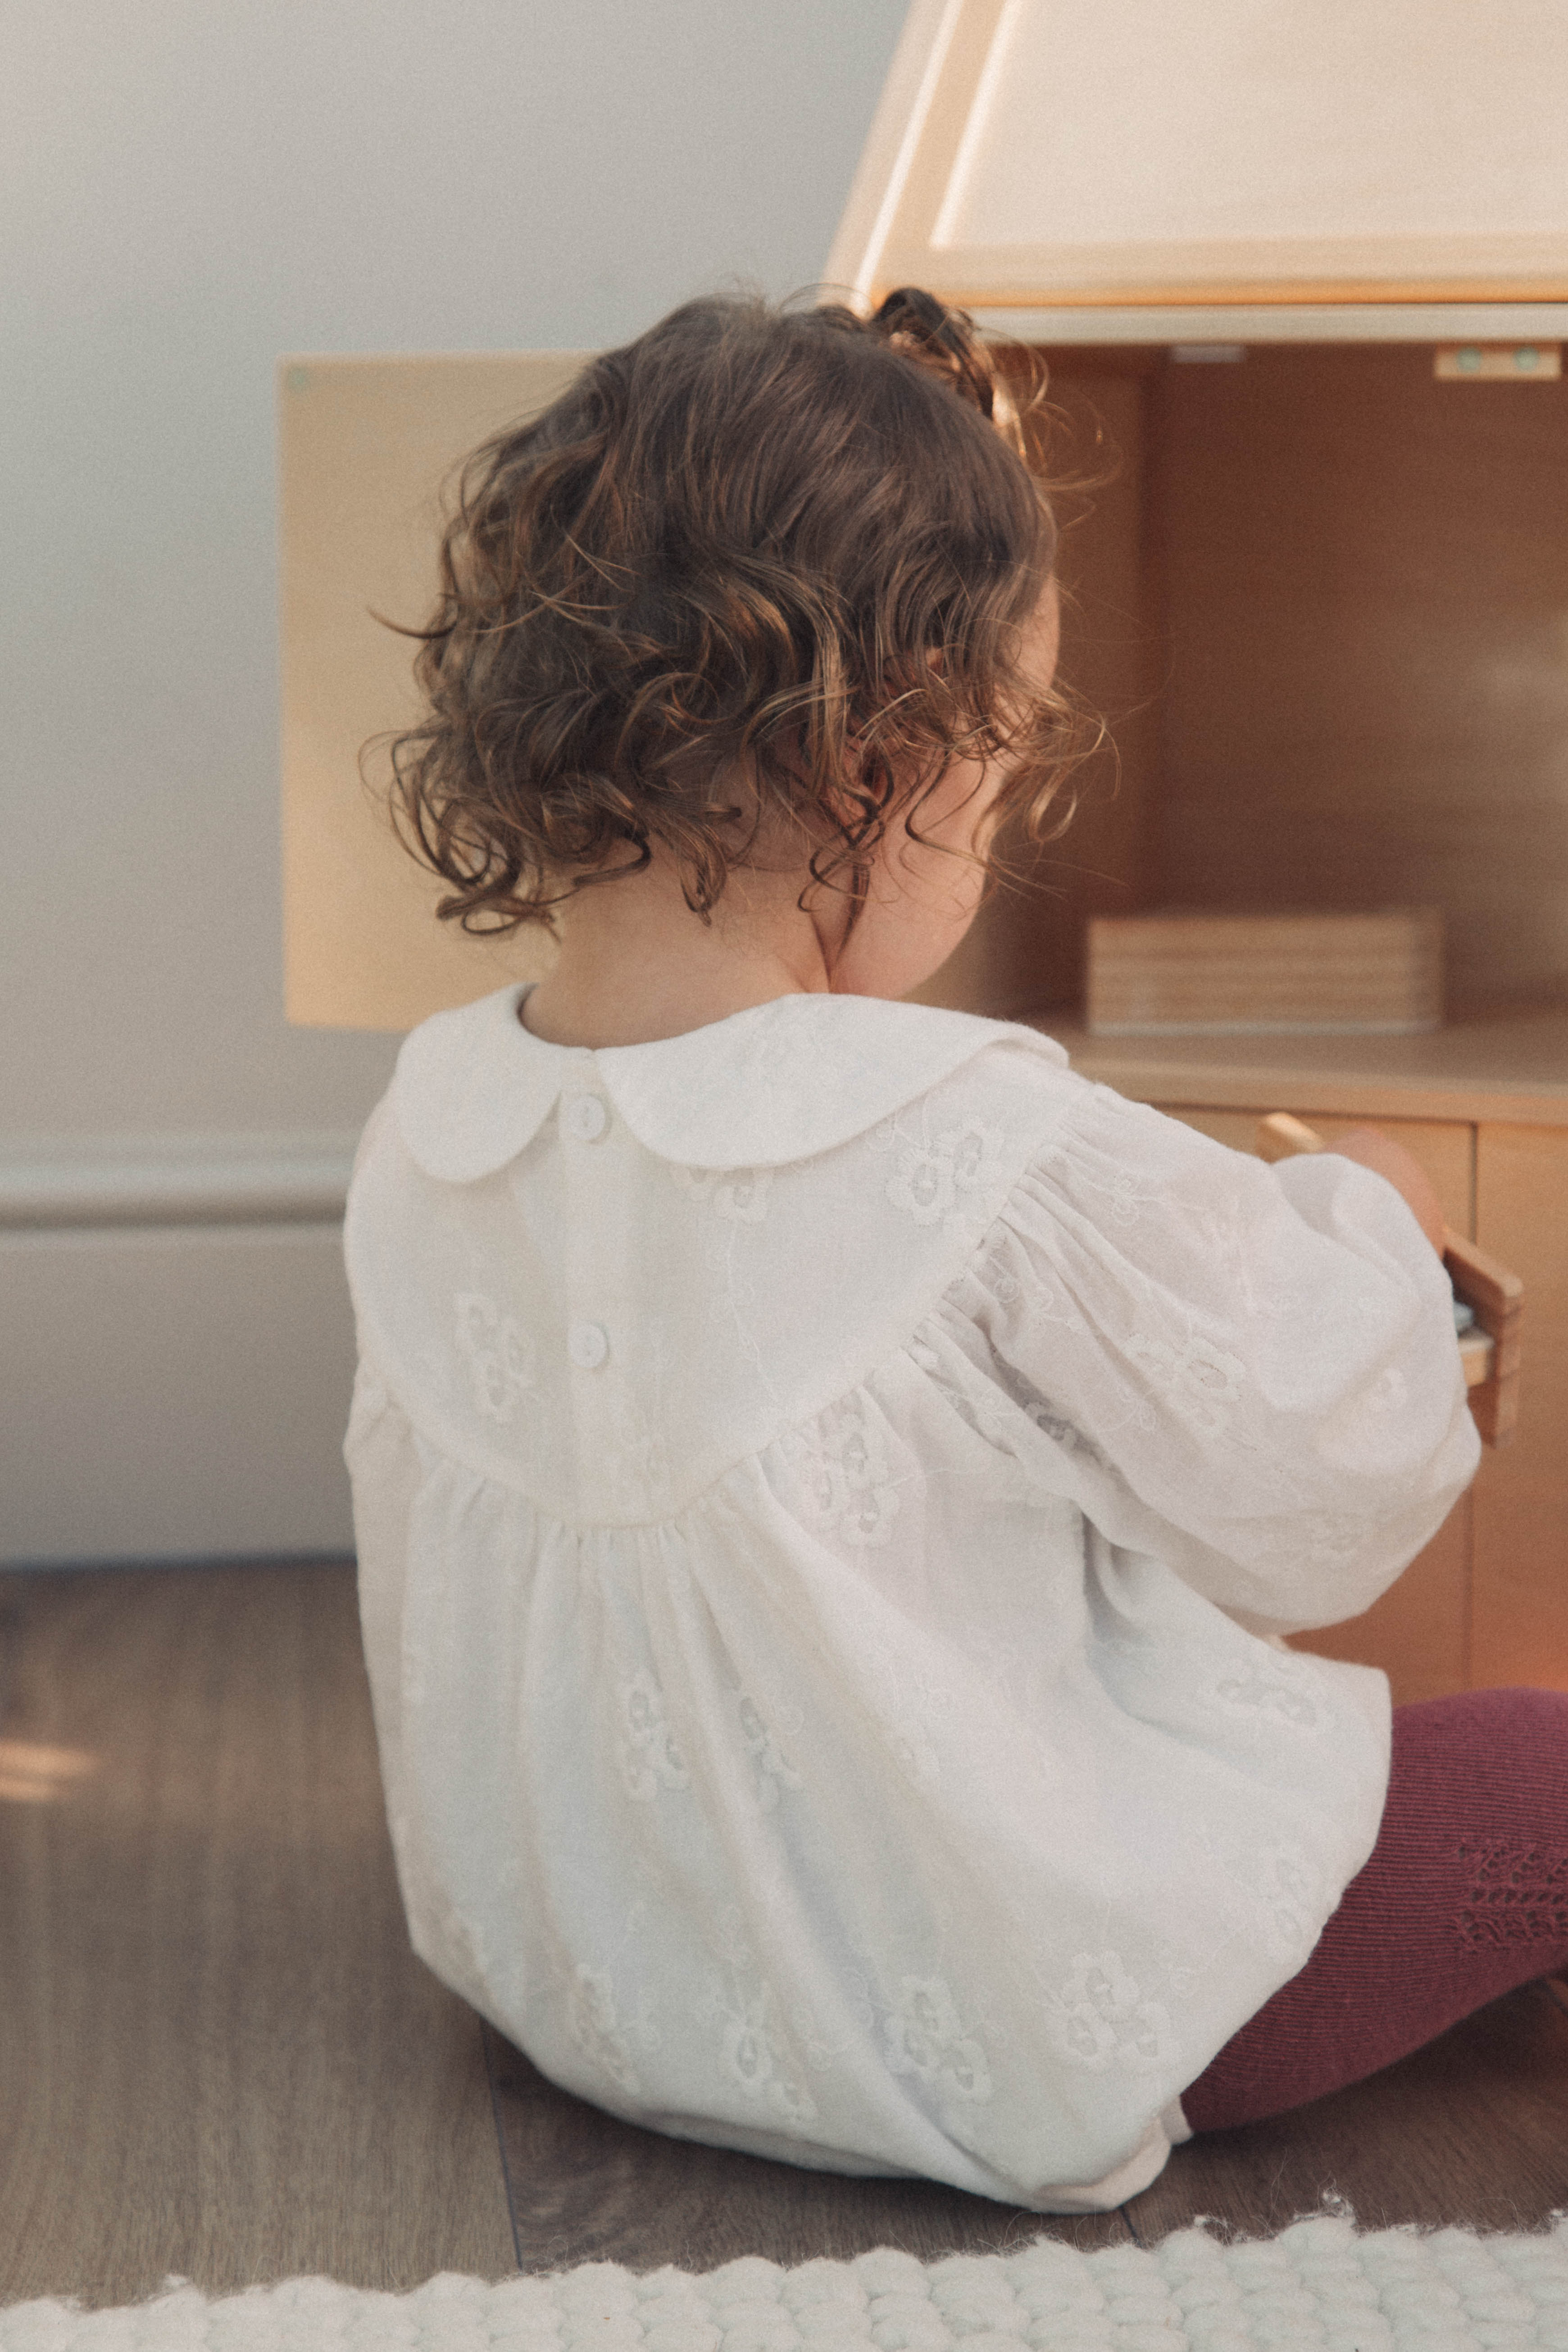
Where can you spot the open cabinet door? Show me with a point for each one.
(364, 447)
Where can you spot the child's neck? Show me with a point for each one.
(636, 964)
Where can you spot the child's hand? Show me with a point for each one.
(1373, 1150)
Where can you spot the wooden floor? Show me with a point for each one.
(219, 2058)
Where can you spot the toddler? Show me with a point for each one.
(829, 1481)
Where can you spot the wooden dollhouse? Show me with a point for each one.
(1302, 282)
(1302, 304)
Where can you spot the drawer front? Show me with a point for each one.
(1521, 1490)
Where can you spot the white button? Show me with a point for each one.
(587, 1345)
(587, 1117)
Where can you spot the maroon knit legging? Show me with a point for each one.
(1464, 1897)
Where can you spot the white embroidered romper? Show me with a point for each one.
(827, 1489)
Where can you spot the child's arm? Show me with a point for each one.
(1258, 1363)
(1379, 1152)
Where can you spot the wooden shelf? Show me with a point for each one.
(1509, 1066)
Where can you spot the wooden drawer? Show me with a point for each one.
(1520, 1495)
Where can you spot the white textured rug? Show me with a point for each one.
(1320, 2283)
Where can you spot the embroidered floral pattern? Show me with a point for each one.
(739, 1194)
(1389, 1392)
(1100, 2018)
(647, 1754)
(1275, 1691)
(1199, 1381)
(1287, 1887)
(848, 1490)
(1322, 1541)
(1124, 1197)
(1057, 1427)
(926, 2037)
(594, 2026)
(499, 1355)
(774, 1771)
(928, 1179)
(907, 1706)
(756, 2055)
(631, 1457)
(753, 2047)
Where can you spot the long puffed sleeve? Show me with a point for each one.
(1249, 1372)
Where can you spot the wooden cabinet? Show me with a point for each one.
(1319, 595)
(364, 446)
(1520, 1576)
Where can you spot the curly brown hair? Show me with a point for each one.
(787, 553)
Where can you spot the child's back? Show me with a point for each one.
(824, 1481)
(796, 1465)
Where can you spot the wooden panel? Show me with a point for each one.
(1520, 1593)
(1367, 573)
(218, 2055)
(1296, 322)
(1413, 145)
(363, 446)
(1026, 947)
(1407, 153)
(1510, 1064)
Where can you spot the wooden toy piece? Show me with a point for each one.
(1490, 1350)
(1181, 972)
(1280, 1137)
(1496, 1296)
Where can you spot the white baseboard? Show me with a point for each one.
(173, 1180)
(178, 1350)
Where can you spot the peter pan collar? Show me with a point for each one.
(779, 1082)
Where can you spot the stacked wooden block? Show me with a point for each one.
(1202, 973)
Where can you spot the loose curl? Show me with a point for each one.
(784, 554)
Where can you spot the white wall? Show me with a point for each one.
(186, 190)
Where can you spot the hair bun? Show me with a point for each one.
(947, 342)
